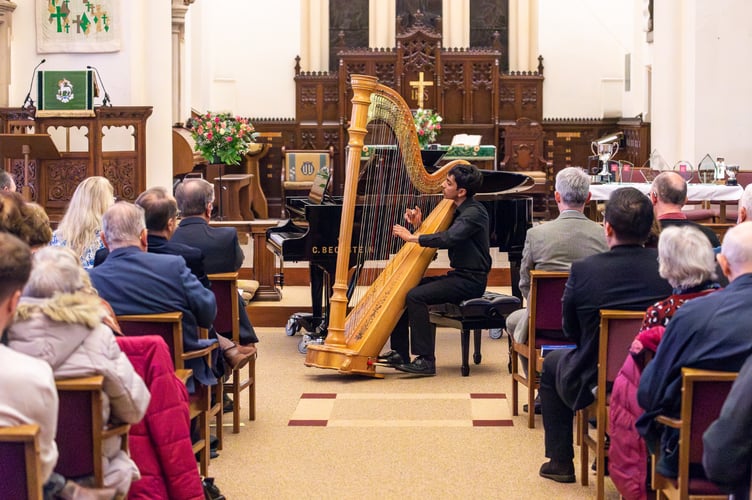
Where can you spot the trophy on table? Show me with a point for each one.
(604, 151)
(731, 170)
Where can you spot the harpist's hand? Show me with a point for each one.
(403, 233)
(414, 216)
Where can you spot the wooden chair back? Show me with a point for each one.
(225, 288)
(544, 320)
(20, 463)
(300, 168)
(617, 331)
(81, 430)
(703, 394)
(523, 152)
(169, 326)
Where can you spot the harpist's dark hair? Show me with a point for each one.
(15, 266)
(630, 214)
(467, 177)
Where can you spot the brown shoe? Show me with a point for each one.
(248, 350)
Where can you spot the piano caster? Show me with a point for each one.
(495, 333)
(292, 327)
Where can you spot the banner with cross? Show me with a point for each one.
(78, 26)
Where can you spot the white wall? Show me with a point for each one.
(247, 59)
(137, 75)
(583, 44)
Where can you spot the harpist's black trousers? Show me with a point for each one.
(451, 288)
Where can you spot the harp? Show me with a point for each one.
(367, 303)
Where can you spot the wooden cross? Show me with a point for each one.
(419, 89)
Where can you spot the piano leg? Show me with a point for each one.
(515, 260)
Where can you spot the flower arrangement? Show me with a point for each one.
(427, 126)
(222, 136)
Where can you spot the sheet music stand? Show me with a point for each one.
(38, 146)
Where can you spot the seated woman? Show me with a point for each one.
(60, 320)
(82, 223)
(687, 261)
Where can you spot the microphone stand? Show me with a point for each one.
(28, 101)
(106, 100)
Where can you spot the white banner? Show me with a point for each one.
(78, 26)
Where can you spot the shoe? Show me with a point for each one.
(74, 491)
(236, 356)
(227, 404)
(594, 467)
(419, 366)
(536, 405)
(391, 358)
(561, 472)
(210, 489)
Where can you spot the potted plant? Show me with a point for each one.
(222, 137)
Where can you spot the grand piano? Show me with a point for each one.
(316, 240)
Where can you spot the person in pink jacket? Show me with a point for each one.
(61, 321)
(687, 261)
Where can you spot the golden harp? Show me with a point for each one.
(357, 334)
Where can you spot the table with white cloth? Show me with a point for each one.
(703, 193)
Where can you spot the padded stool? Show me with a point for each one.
(486, 312)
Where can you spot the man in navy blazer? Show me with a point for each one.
(136, 282)
(222, 252)
(625, 277)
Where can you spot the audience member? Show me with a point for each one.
(744, 212)
(709, 332)
(136, 282)
(669, 194)
(220, 246)
(687, 261)
(554, 245)
(38, 222)
(6, 182)
(161, 214)
(468, 247)
(82, 223)
(59, 321)
(27, 385)
(727, 444)
(161, 443)
(625, 277)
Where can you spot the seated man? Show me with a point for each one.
(6, 182)
(669, 194)
(136, 282)
(468, 243)
(161, 213)
(27, 386)
(625, 277)
(553, 246)
(745, 205)
(727, 444)
(222, 252)
(711, 333)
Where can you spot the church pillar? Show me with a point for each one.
(314, 35)
(456, 23)
(523, 35)
(381, 23)
(6, 16)
(179, 108)
(672, 80)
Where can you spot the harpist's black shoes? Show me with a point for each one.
(391, 359)
(419, 366)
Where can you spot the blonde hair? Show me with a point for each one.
(83, 218)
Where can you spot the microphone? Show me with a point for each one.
(28, 101)
(106, 101)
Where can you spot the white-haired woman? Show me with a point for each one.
(687, 261)
(82, 223)
(61, 321)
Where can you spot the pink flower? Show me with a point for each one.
(209, 136)
(228, 138)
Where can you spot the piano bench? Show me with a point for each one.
(486, 312)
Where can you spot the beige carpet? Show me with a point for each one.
(403, 436)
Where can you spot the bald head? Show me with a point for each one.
(668, 192)
(194, 196)
(745, 205)
(736, 253)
